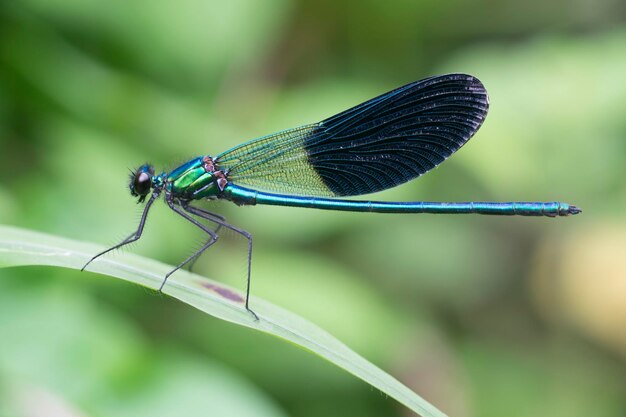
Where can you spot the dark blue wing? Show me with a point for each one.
(376, 145)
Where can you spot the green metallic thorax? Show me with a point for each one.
(194, 180)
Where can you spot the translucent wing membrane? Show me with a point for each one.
(376, 145)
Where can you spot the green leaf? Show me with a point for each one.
(19, 247)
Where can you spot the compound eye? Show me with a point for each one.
(142, 183)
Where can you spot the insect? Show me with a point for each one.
(376, 145)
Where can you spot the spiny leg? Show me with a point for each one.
(212, 217)
(133, 237)
(216, 230)
(213, 238)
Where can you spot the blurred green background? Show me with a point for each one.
(482, 316)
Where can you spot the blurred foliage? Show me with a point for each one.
(481, 316)
(21, 247)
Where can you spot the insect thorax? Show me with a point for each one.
(196, 179)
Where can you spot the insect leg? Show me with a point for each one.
(212, 239)
(133, 237)
(216, 230)
(212, 217)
